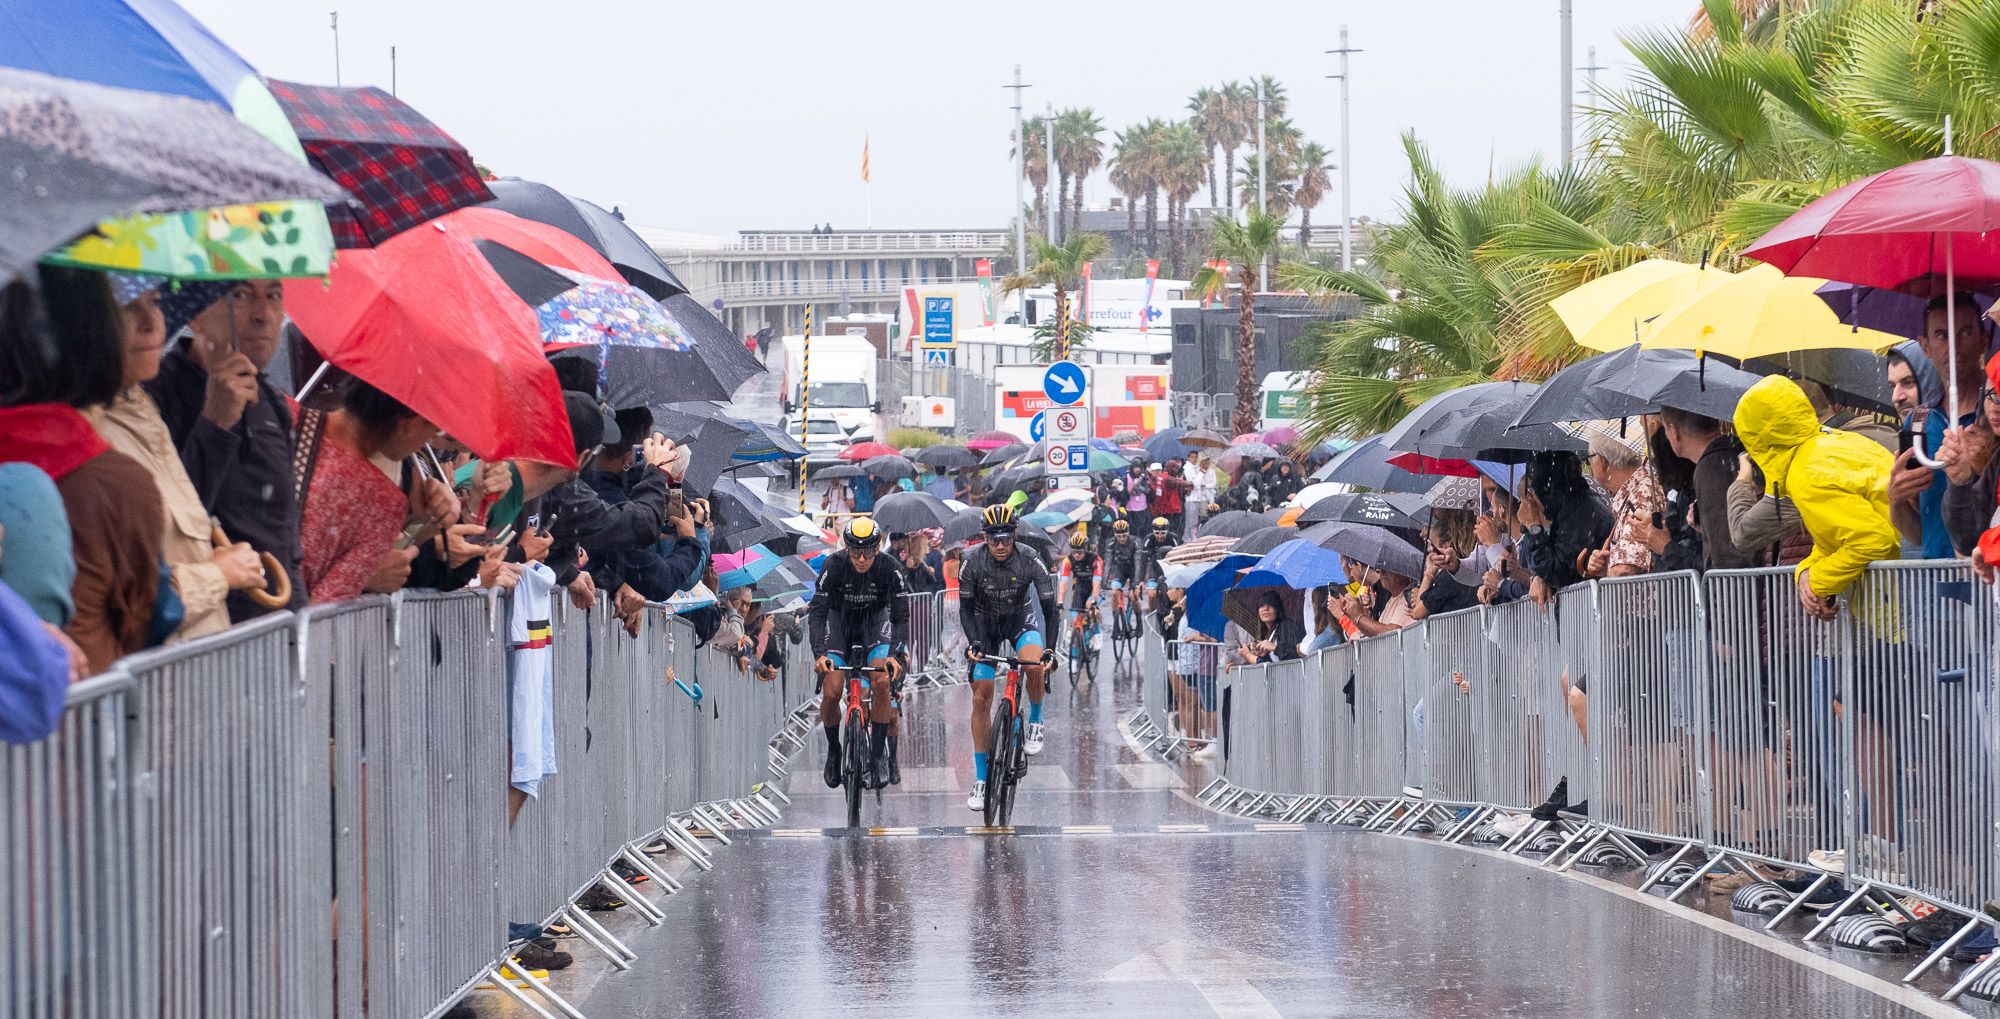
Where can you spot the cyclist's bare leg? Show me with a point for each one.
(1037, 674)
(982, 713)
(829, 697)
(880, 710)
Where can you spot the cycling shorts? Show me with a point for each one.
(1117, 583)
(879, 652)
(1009, 649)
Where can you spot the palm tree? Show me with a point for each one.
(1035, 159)
(1182, 172)
(1210, 117)
(1144, 160)
(1059, 266)
(1080, 150)
(1238, 124)
(1275, 103)
(1130, 174)
(1313, 182)
(1279, 187)
(1244, 246)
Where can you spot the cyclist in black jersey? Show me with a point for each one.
(1152, 561)
(859, 603)
(1121, 563)
(1006, 602)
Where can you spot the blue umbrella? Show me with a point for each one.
(1890, 311)
(765, 443)
(148, 45)
(1204, 596)
(1297, 564)
(760, 563)
(1048, 518)
(1166, 444)
(1104, 444)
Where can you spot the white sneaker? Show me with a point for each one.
(1208, 751)
(1512, 825)
(977, 801)
(1034, 741)
(1832, 861)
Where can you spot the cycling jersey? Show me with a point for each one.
(1121, 559)
(998, 601)
(1080, 575)
(1154, 553)
(864, 609)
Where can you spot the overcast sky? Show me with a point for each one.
(735, 115)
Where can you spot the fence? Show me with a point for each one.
(307, 815)
(971, 393)
(1708, 713)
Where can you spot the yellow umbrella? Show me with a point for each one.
(1610, 312)
(1758, 313)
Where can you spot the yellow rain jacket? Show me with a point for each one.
(1838, 480)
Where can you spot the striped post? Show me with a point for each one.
(805, 401)
(1062, 327)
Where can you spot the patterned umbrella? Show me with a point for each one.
(400, 168)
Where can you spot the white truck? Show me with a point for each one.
(843, 389)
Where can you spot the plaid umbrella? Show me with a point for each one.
(400, 168)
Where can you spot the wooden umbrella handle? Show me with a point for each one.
(279, 593)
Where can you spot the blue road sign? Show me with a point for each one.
(1036, 427)
(1064, 383)
(1079, 457)
(939, 328)
(937, 358)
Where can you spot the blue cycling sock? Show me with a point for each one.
(979, 766)
(1034, 712)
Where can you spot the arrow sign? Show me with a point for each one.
(1220, 975)
(1035, 427)
(1064, 383)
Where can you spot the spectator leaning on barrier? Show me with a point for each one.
(1560, 518)
(359, 528)
(1918, 394)
(61, 348)
(1912, 480)
(1617, 462)
(1838, 481)
(1701, 439)
(1971, 470)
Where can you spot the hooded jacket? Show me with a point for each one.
(1837, 480)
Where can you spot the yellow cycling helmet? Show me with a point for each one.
(1078, 542)
(862, 533)
(1159, 523)
(1120, 527)
(998, 519)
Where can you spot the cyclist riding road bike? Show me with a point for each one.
(1006, 597)
(860, 603)
(1152, 562)
(1079, 580)
(1121, 564)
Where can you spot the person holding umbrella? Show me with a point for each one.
(1171, 490)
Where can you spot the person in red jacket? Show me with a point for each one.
(1171, 490)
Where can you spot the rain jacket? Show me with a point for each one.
(1837, 480)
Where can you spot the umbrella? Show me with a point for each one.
(81, 155)
(1461, 423)
(426, 320)
(1104, 444)
(1233, 524)
(836, 472)
(710, 440)
(904, 512)
(1100, 461)
(1851, 378)
(1297, 564)
(991, 440)
(1313, 493)
(636, 260)
(1166, 445)
(399, 168)
(1366, 464)
(947, 457)
(1454, 494)
(1434, 467)
(1368, 545)
(744, 568)
(998, 455)
(1204, 595)
(1761, 311)
(765, 442)
(963, 526)
(1637, 381)
(1610, 311)
(741, 519)
(1359, 508)
(1058, 499)
(1253, 450)
(1283, 435)
(1205, 439)
(793, 575)
(538, 241)
(1049, 518)
(890, 465)
(866, 451)
(1260, 542)
(1014, 479)
(1200, 549)
(1895, 312)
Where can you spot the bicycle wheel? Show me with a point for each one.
(999, 747)
(856, 769)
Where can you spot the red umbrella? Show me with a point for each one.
(401, 168)
(986, 441)
(1417, 463)
(539, 241)
(426, 319)
(866, 451)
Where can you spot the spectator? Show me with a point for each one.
(1918, 393)
(1700, 439)
(1284, 483)
(1561, 518)
(1327, 631)
(232, 426)
(1442, 589)
(353, 535)
(1768, 526)
(1837, 480)
(61, 349)
(35, 674)
(913, 555)
(580, 519)
(41, 569)
(1200, 473)
(837, 502)
(1275, 637)
(864, 494)
(1170, 488)
(1618, 466)
(1969, 505)
(1375, 602)
(203, 574)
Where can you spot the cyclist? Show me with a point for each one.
(1153, 567)
(860, 603)
(1080, 579)
(1121, 564)
(1005, 597)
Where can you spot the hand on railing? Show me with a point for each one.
(1815, 606)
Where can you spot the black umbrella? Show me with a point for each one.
(1368, 545)
(1473, 423)
(741, 519)
(721, 351)
(963, 526)
(1360, 508)
(945, 457)
(839, 471)
(1166, 445)
(1851, 378)
(757, 469)
(1260, 542)
(710, 439)
(1366, 464)
(1233, 524)
(1017, 479)
(904, 512)
(1633, 381)
(634, 258)
(793, 575)
(1001, 454)
(890, 465)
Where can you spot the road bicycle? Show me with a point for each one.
(856, 750)
(1125, 631)
(1006, 741)
(1083, 633)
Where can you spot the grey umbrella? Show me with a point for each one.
(1233, 524)
(946, 457)
(710, 439)
(890, 466)
(1366, 465)
(1632, 381)
(1852, 378)
(836, 472)
(1166, 444)
(1001, 454)
(1253, 451)
(904, 512)
(963, 526)
(1369, 545)
(741, 519)
(1360, 508)
(721, 350)
(1260, 542)
(1461, 422)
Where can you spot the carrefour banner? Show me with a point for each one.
(984, 268)
(1152, 275)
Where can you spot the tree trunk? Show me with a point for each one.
(1131, 225)
(1229, 180)
(1076, 207)
(1173, 236)
(1306, 228)
(1040, 192)
(1062, 207)
(1211, 176)
(1152, 222)
(1244, 418)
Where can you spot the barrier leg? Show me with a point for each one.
(1971, 975)
(1600, 835)
(689, 846)
(1696, 877)
(1469, 824)
(631, 897)
(1840, 910)
(1942, 950)
(598, 936)
(1792, 906)
(542, 988)
(506, 985)
(645, 866)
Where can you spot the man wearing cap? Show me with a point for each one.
(233, 428)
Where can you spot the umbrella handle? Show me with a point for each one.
(279, 594)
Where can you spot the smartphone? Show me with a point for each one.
(412, 530)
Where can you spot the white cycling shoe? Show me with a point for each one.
(977, 801)
(1033, 744)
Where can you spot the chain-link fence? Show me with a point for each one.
(970, 391)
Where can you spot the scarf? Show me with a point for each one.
(51, 436)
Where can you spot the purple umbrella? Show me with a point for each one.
(1890, 311)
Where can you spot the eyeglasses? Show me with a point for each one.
(1990, 396)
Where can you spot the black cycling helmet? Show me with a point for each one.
(862, 534)
(1079, 542)
(1120, 527)
(998, 519)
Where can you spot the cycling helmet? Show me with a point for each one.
(998, 519)
(1078, 542)
(862, 533)
(1120, 527)
(1159, 523)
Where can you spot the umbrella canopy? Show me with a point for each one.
(710, 440)
(1297, 564)
(792, 576)
(744, 568)
(837, 472)
(1761, 311)
(1896, 227)
(1314, 492)
(644, 355)
(766, 443)
(1369, 545)
(1203, 438)
(1637, 381)
(1434, 467)
(1049, 518)
(1454, 494)
(538, 241)
(722, 352)
(1252, 450)
(741, 519)
(1882, 309)
(1103, 462)
(1066, 497)
(890, 465)
(991, 440)
(1166, 444)
(1283, 435)
(1359, 508)
(1233, 524)
(1611, 311)
(1200, 549)
(1242, 601)
(1464, 423)
(1260, 542)
(946, 457)
(1205, 594)
(904, 512)
(399, 168)
(1852, 378)
(1366, 464)
(636, 260)
(963, 526)
(998, 455)
(425, 319)
(866, 451)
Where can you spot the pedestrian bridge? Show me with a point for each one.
(305, 816)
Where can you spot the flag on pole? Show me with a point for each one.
(864, 159)
(1146, 309)
(984, 269)
(1083, 305)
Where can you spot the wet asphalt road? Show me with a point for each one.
(1232, 922)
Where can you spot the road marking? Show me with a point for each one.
(1183, 829)
(997, 829)
(1221, 975)
(892, 831)
(1086, 829)
(1275, 826)
(797, 833)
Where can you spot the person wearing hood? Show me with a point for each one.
(1917, 493)
(1837, 480)
(1972, 472)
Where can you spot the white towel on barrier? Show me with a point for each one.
(531, 723)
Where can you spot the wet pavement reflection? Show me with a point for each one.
(1143, 922)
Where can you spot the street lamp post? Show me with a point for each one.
(1346, 167)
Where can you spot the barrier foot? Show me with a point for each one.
(1469, 824)
(709, 824)
(1942, 950)
(1699, 872)
(542, 988)
(775, 791)
(599, 935)
(689, 846)
(1383, 817)
(1672, 861)
(1205, 790)
(1839, 911)
(1526, 835)
(631, 897)
(1564, 867)
(506, 986)
(645, 866)
(1798, 900)
(1970, 975)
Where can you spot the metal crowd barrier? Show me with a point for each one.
(307, 815)
(1708, 713)
(1178, 694)
(934, 654)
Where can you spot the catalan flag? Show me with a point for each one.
(864, 159)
